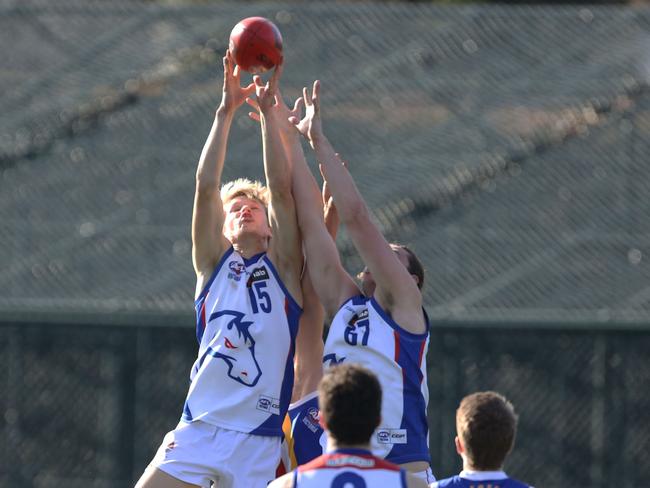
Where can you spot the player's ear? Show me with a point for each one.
(459, 445)
(416, 279)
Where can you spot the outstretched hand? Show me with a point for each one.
(281, 107)
(310, 125)
(234, 94)
(267, 93)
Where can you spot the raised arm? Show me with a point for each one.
(308, 368)
(332, 283)
(396, 289)
(285, 248)
(208, 241)
(330, 280)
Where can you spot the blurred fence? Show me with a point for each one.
(86, 406)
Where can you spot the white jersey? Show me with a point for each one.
(361, 332)
(246, 327)
(349, 467)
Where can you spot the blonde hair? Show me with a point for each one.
(243, 187)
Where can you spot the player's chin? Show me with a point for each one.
(247, 231)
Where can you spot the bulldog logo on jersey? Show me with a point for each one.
(332, 359)
(237, 269)
(238, 349)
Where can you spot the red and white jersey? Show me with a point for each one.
(349, 467)
(246, 327)
(362, 332)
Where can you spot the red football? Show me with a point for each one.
(256, 44)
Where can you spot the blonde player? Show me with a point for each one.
(248, 258)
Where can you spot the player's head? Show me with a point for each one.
(245, 205)
(349, 397)
(486, 424)
(407, 258)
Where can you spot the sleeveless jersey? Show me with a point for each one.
(246, 328)
(361, 332)
(304, 438)
(485, 479)
(349, 467)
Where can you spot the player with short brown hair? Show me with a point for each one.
(486, 426)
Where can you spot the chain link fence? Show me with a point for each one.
(507, 144)
(87, 406)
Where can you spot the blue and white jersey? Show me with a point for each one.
(361, 332)
(246, 327)
(476, 479)
(349, 467)
(304, 437)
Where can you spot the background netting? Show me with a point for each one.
(88, 406)
(507, 145)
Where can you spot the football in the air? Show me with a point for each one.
(256, 44)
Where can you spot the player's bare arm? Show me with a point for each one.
(208, 241)
(309, 342)
(332, 283)
(285, 248)
(396, 289)
(308, 369)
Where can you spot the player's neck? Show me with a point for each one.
(467, 466)
(250, 246)
(333, 445)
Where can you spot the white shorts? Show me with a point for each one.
(200, 453)
(426, 475)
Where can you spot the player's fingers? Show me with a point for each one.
(275, 77)
(235, 72)
(253, 103)
(278, 96)
(294, 120)
(229, 60)
(305, 96)
(316, 95)
(297, 106)
(255, 116)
